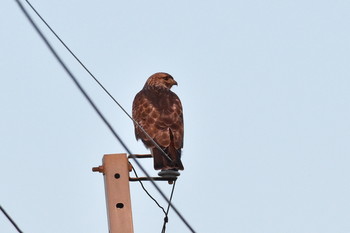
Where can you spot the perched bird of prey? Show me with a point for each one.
(159, 111)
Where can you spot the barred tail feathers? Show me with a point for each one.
(162, 163)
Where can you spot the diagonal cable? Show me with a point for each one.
(10, 219)
(144, 189)
(166, 219)
(87, 97)
(120, 106)
(99, 83)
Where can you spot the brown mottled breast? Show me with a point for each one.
(160, 114)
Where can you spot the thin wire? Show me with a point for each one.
(146, 191)
(98, 82)
(10, 219)
(120, 106)
(166, 219)
(87, 97)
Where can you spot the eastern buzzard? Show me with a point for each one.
(159, 111)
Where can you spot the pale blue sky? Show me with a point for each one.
(265, 88)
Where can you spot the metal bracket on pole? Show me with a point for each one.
(116, 169)
(168, 176)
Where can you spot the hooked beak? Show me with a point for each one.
(174, 83)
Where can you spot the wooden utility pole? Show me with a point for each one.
(115, 169)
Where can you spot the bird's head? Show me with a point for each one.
(160, 81)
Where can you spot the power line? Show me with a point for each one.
(10, 219)
(144, 189)
(166, 219)
(110, 95)
(98, 82)
(120, 106)
(167, 211)
(87, 97)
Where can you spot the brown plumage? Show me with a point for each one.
(159, 111)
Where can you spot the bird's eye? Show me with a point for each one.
(166, 78)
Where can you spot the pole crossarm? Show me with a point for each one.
(169, 176)
(115, 169)
(140, 156)
(153, 178)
